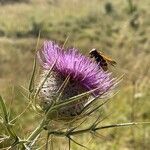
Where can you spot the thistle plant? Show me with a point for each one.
(72, 75)
(69, 84)
(70, 88)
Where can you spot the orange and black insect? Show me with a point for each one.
(102, 59)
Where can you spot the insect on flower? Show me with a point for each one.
(83, 75)
(102, 59)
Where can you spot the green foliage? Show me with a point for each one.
(12, 1)
(119, 28)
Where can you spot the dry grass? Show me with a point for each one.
(122, 34)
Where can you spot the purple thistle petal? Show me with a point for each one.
(82, 70)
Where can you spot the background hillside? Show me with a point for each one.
(119, 28)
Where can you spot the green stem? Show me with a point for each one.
(70, 133)
(31, 139)
(36, 132)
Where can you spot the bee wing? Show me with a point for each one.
(112, 62)
(108, 59)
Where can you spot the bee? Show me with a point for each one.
(102, 59)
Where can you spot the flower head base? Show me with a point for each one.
(84, 75)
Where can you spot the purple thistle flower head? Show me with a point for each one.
(84, 74)
(81, 69)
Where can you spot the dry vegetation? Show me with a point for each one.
(118, 28)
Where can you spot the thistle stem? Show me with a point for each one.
(59, 133)
(32, 138)
(36, 132)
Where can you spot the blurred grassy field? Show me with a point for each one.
(119, 28)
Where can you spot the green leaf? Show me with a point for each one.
(4, 110)
(31, 84)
